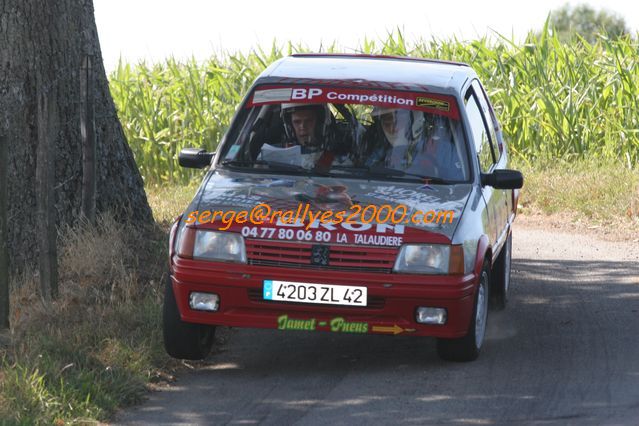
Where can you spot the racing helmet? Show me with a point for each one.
(409, 124)
(321, 125)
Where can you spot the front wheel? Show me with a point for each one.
(183, 340)
(467, 348)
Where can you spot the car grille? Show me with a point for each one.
(373, 302)
(341, 258)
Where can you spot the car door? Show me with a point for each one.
(503, 197)
(484, 148)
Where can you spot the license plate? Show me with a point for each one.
(288, 291)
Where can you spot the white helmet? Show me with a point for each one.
(409, 125)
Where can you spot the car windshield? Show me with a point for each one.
(350, 132)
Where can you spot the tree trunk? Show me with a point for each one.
(87, 128)
(48, 262)
(4, 252)
(42, 48)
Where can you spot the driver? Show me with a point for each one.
(306, 126)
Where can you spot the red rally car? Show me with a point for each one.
(351, 194)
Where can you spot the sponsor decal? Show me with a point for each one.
(378, 240)
(398, 194)
(286, 323)
(272, 95)
(338, 325)
(327, 197)
(434, 103)
(236, 198)
(335, 325)
(326, 233)
(393, 329)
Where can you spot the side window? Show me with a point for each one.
(478, 128)
(489, 115)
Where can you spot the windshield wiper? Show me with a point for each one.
(381, 171)
(275, 166)
(238, 163)
(386, 171)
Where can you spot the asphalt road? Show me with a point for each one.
(565, 351)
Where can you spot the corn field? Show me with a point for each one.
(554, 100)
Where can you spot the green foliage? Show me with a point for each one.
(587, 23)
(165, 107)
(554, 99)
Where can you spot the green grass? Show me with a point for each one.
(597, 192)
(168, 201)
(84, 370)
(96, 347)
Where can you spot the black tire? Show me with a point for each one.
(183, 340)
(467, 348)
(501, 276)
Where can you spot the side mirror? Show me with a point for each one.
(195, 158)
(503, 179)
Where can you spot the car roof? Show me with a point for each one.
(371, 71)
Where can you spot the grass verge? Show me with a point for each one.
(594, 193)
(168, 201)
(97, 346)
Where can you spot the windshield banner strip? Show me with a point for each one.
(428, 102)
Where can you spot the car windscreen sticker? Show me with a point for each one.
(434, 103)
(272, 95)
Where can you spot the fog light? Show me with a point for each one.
(426, 315)
(204, 301)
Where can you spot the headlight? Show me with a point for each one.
(423, 259)
(191, 243)
(224, 246)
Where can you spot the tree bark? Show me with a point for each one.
(48, 261)
(42, 46)
(4, 252)
(87, 128)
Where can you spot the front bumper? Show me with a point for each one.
(393, 299)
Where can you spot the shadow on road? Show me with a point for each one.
(563, 352)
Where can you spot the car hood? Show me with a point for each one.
(226, 190)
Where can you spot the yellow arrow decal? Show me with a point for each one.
(395, 329)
